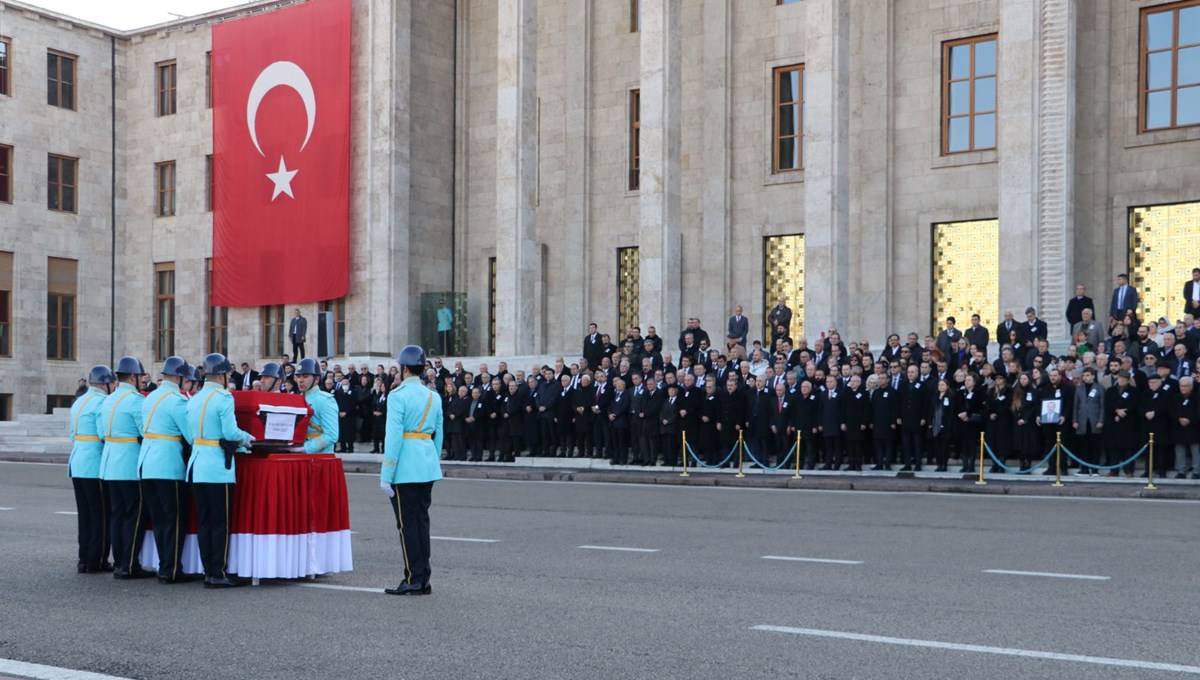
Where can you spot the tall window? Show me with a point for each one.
(208, 183)
(218, 318)
(6, 286)
(338, 309)
(6, 174)
(629, 266)
(164, 310)
(635, 16)
(60, 80)
(272, 330)
(61, 288)
(789, 118)
(1170, 68)
(61, 183)
(491, 305)
(969, 94)
(5, 407)
(208, 80)
(635, 139)
(166, 87)
(164, 180)
(5, 61)
(966, 272)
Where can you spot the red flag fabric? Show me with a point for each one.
(281, 156)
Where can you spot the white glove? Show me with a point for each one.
(387, 488)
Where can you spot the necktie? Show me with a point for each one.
(1121, 299)
(781, 405)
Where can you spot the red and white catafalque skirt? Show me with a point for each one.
(291, 519)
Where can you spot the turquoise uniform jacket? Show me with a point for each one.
(86, 445)
(412, 409)
(165, 429)
(323, 428)
(120, 427)
(210, 419)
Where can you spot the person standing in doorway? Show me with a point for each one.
(297, 331)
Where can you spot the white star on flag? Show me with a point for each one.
(283, 180)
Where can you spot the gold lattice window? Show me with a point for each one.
(966, 273)
(783, 274)
(1164, 246)
(491, 305)
(629, 262)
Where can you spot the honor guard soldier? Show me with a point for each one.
(91, 494)
(411, 466)
(121, 431)
(323, 427)
(211, 469)
(273, 373)
(165, 436)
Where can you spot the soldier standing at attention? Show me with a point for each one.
(165, 435)
(121, 431)
(271, 372)
(411, 466)
(211, 472)
(323, 429)
(91, 494)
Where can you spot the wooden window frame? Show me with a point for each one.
(62, 58)
(56, 299)
(338, 309)
(56, 185)
(208, 79)
(267, 324)
(634, 163)
(164, 329)
(166, 102)
(217, 339)
(7, 70)
(6, 174)
(1144, 53)
(164, 185)
(635, 16)
(6, 310)
(776, 138)
(971, 114)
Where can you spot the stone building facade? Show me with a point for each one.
(567, 161)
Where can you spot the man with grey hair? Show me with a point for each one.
(1184, 417)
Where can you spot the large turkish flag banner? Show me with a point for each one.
(281, 156)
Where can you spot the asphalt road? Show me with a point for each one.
(534, 604)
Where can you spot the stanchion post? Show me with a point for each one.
(1150, 466)
(980, 481)
(741, 448)
(683, 452)
(797, 475)
(1058, 459)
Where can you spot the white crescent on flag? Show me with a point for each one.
(285, 74)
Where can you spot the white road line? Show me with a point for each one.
(809, 559)
(980, 649)
(66, 512)
(40, 672)
(1046, 574)
(617, 548)
(463, 540)
(328, 586)
(3, 509)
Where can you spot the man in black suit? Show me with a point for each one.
(593, 349)
(648, 413)
(977, 336)
(739, 326)
(244, 379)
(297, 331)
(1005, 327)
(618, 421)
(915, 398)
(1077, 304)
(1124, 298)
(1191, 294)
(1033, 327)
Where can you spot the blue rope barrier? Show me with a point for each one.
(768, 467)
(1016, 471)
(1118, 466)
(706, 465)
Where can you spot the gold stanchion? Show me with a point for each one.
(684, 453)
(1057, 459)
(741, 448)
(981, 445)
(797, 475)
(1150, 466)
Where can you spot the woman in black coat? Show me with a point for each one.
(972, 419)
(366, 407)
(1027, 436)
(999, 429)
(378, 414)
(944, 423)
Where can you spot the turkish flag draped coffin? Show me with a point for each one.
(281, 156)
(254, 409)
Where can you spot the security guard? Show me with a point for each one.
(212, 423)
(91, 494)
(165, 435)
(270, 371)
(121, 431)
(323, 427)
(410, 466)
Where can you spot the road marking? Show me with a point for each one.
(329, 586)
(40, 672)
(617, 548)
(1046, 574)
(3, 509)
(66, 512)
(463, 540)
(980, 649)
(809, 559)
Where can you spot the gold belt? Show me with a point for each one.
(313, 435)
(86, 438)
(207, 442)
(165, 437)
(122, 440)
(417, 435)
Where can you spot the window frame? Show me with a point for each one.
(776, 77)
(57, 298)
(164, 191)
(217, 338)
(208, 79)
(633, 162)
(6, 300)
(63, 57)
(170, 65)
(1144, 53)
(7, 159)
(164, 329)
(6, 84)
(338, 309)
(635, 16)
(267, 324)
(208, 183)
(58, 185)
(972, 114)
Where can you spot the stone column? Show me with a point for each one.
(659, 237)
(714, 289)
(826, 166)
(576, 310)
(516, 175)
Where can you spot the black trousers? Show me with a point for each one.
(458, 446)
(912, 443)
(444, 342)
(885, 451)
(546, 437)
(618, 453)
(671, 445)
(214, 509)
(167, 503)
(603, 434)
(411, 507)
(297, 351)
(91, 507)
(854, 452)
(941, 450)
(831, 451)
(1089, 447)
(127, 523)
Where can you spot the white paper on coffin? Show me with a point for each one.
(269, 555)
